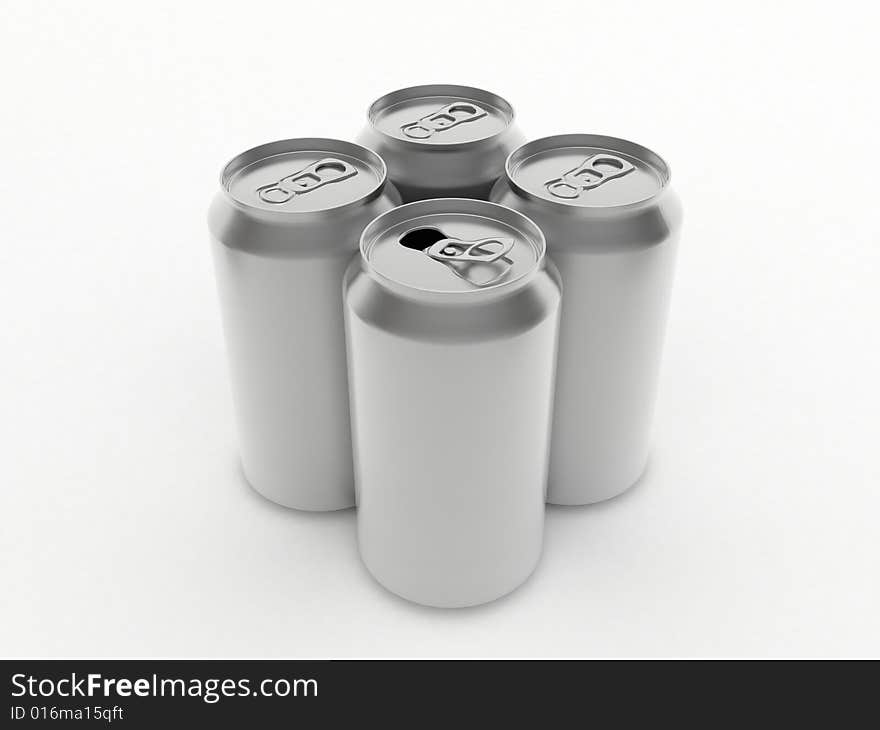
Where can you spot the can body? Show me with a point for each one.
(442, 141)
(451, 396)
(279, 264)
(612, 225)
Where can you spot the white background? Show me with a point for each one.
(127, 528)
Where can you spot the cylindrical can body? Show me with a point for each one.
(442, 140)
(451, 371)
(612, 225)
(284, 227)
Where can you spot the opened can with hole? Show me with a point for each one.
(451, 323)
(441, 140)
(612, 223)
(284, 226)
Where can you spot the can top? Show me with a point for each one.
(304, 175)
(452, 246)
(440, 115)
(587, 171)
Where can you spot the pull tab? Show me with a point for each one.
(454, 249)
(323, 172)
(591, 173)
(444, 118)
(468, 259)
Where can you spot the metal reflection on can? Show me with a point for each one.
(284, 227)
(451, 324)
(612, 223)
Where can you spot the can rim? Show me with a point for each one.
(427, 90)
(304, 144)
(464, 206)
(579, 139)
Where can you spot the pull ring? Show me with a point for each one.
(323, 172)
(591, 173)
(460, 256)
(446, 117)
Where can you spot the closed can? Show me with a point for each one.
(284, 226)
(442, 141)
(451, 322)
(612, 224)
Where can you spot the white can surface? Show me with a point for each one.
(284, 226)
(451, 321)
(612, 224)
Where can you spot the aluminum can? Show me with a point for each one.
(442, 141)
(451, 322)
(284, 226)
(612, 224)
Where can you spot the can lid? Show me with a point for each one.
(587, 171)
(452, 245)
(441, 115)
(303, 175)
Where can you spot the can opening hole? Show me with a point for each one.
(462, 110)
(421, 239)
(608, 162)
(335, 168)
